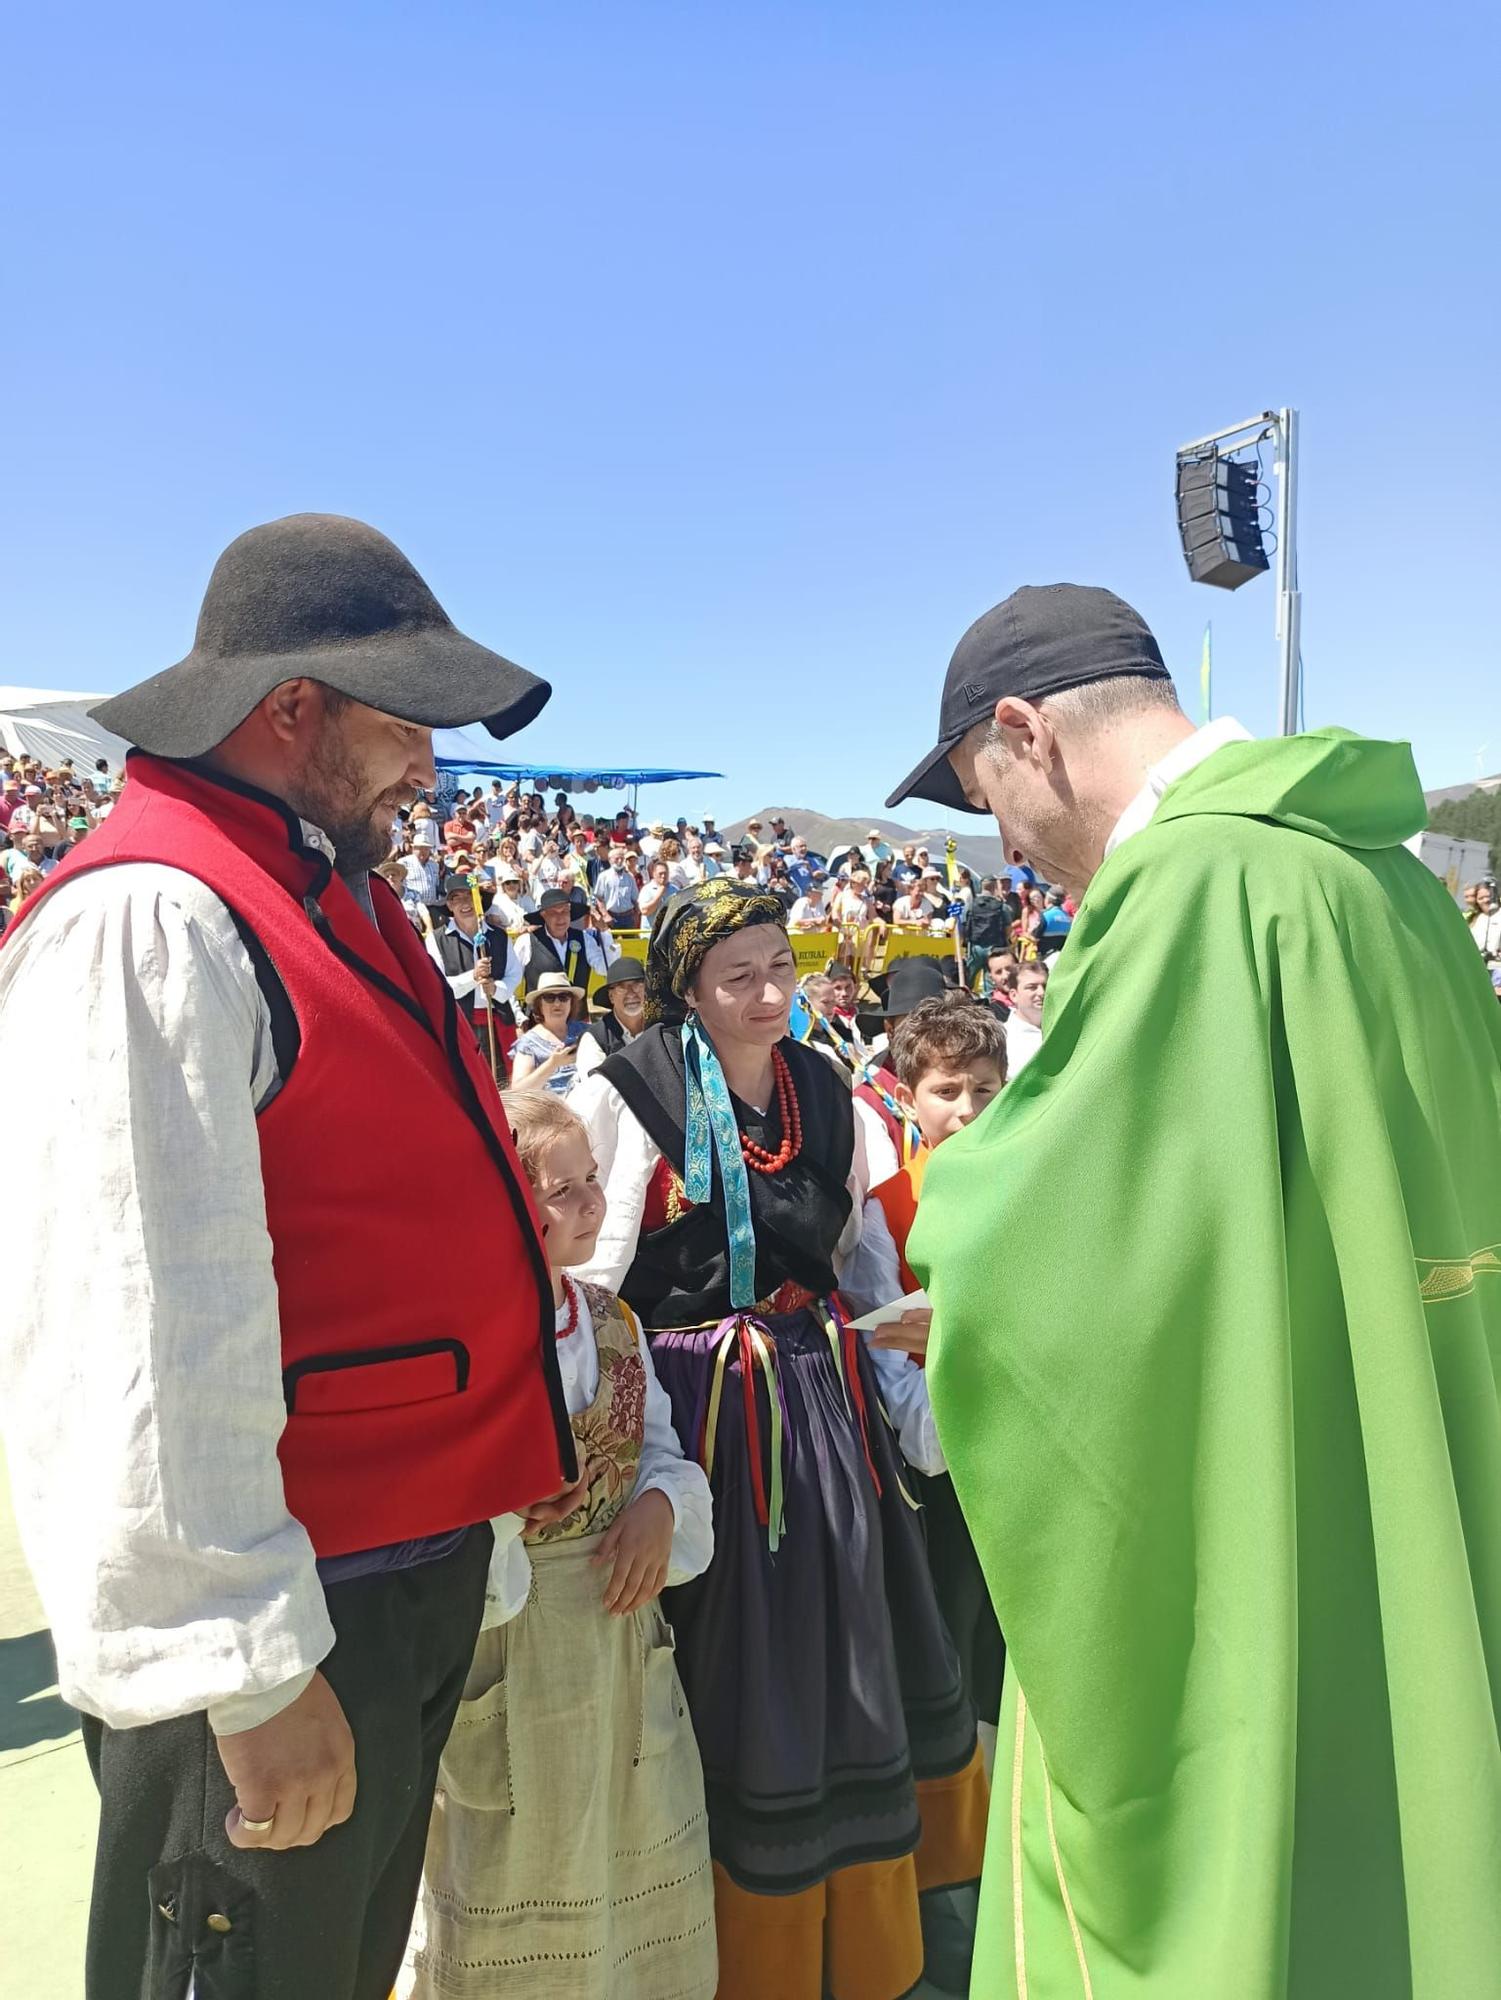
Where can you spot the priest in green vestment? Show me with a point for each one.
(1234, 1469)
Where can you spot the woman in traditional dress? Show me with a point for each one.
(841, 1768)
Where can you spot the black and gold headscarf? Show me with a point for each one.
(686, 928)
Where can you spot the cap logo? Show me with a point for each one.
(973, 694)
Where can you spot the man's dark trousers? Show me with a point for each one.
(174, 1901)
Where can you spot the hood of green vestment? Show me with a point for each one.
(1330, 783)
(1216, 1344)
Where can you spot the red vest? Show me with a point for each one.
(422, 1393)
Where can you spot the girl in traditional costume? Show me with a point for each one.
(840, 1759)
(568, 1856)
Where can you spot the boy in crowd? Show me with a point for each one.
(949, 1055)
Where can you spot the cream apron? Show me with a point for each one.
(568, 1857)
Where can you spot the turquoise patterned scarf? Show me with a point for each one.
(709, 1122)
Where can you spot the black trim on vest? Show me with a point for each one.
(374, 1357)
(371, 975)
(286, 1029)
(290, 820)
(547, 1340)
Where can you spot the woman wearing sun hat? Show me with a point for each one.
(840, 1760)
(543, 1056)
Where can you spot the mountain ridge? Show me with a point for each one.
(826, 835)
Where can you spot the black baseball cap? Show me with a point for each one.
(1040, 640)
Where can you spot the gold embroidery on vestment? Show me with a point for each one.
(1442, 1278)
(1018, 1926)
(1068, 1906)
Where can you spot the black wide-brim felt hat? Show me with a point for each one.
(331, 599)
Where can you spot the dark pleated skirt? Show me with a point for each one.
(820, 1679)
(963, 1599)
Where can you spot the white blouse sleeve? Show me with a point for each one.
(871, 1278)
(664, 1469)
(626, 1159)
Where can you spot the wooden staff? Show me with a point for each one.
(479, 939)
(950, 850)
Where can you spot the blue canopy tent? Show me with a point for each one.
(460, 755)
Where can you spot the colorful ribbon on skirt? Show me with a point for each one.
(747, 1339)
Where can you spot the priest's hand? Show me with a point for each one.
(638, 1542)
(907, 1335)
(297, 1770)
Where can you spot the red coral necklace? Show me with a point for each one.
(571, 1300)
(757, 1158)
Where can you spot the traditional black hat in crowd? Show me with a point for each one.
(332, 599)
(910, 980)
(622, 972)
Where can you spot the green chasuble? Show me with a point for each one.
(1233, 1467)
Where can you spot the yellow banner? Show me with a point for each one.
(917, 944)
(813, 950)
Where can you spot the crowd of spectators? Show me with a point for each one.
(614, 869)
(44, 813)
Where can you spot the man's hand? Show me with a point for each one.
(296, 1770)
(638, 1542)
(484, 977)
(907, 1335)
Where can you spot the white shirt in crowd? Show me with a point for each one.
(1485, 928)
(512, 910)
(662, 1469)
(600, 950)
(424, 878)
(1023, 1040)
(808, 912)
(142, 1445)
(463, 984)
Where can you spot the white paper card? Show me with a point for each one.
(883, 1315)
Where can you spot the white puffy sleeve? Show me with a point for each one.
(871, 1278)
(626, 1160)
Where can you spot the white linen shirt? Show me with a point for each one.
(140, 1358)
(662, 1469)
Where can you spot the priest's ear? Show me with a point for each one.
(1024, 732)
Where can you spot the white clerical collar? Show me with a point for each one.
(1179, 761)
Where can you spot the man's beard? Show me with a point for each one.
(330, 792)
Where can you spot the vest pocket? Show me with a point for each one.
(375, 1378)
(475, 1770)
(662, 1703)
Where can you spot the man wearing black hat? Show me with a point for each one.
(254, 1482)
(1233, 1483)
(556, 942)
(621, 1007)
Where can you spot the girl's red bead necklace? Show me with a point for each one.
(757, 1158)
(571, 1300)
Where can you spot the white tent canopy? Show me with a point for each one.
(39, 722)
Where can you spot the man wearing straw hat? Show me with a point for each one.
(254, 1479)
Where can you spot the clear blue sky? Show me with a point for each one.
(723, 362)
